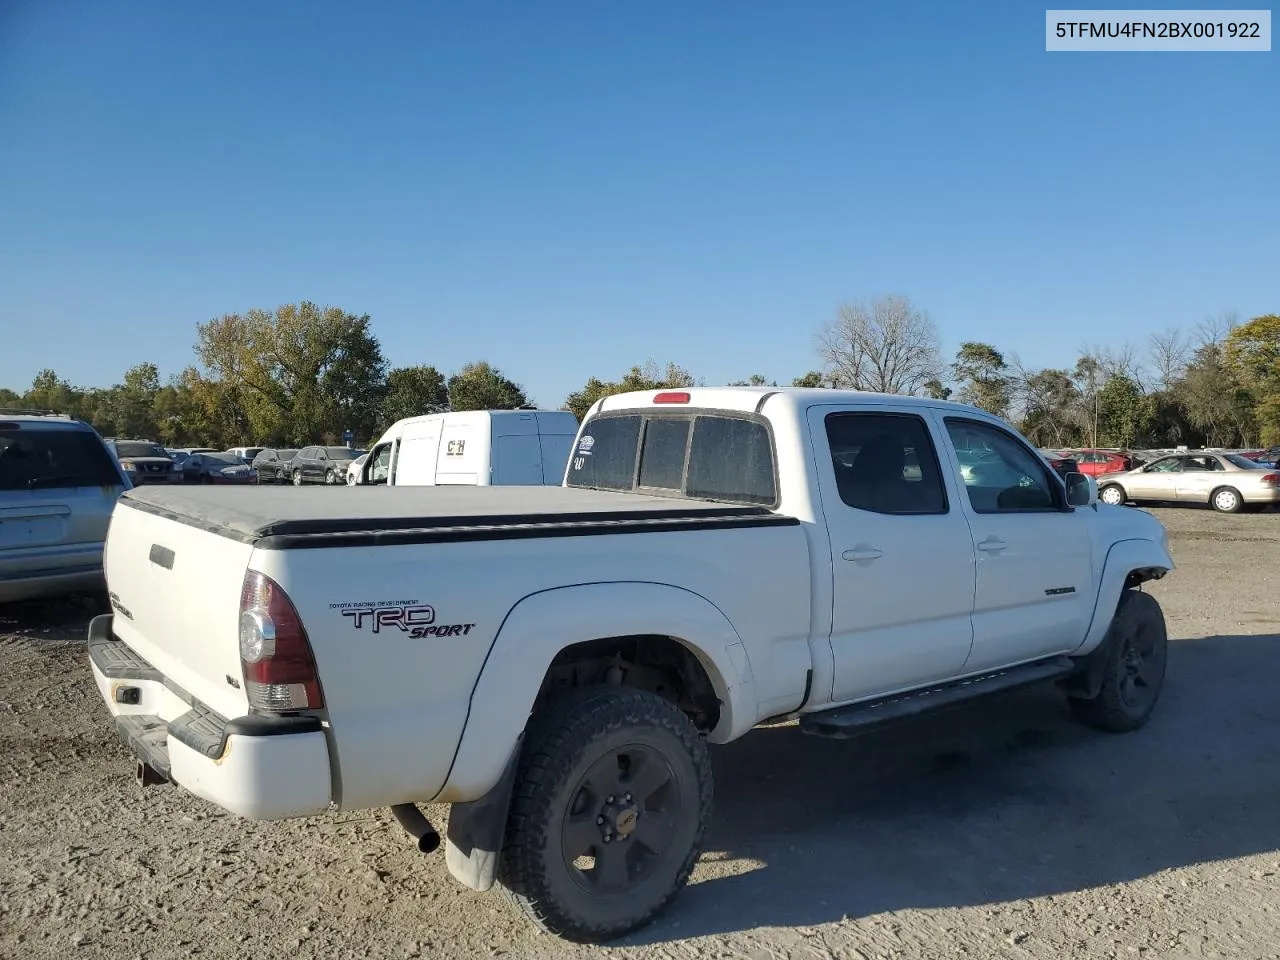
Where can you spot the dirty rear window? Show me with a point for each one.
(702, 456)
(49, 459)
(139, 448)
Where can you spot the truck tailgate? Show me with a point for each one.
(175, 590)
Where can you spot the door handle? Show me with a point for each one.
(862, 553)
(992, 545)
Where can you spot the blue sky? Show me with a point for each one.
(568, 189)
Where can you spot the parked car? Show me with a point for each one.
(246, 454)
(475, 448)
(1063, 463)
(1097, 463)
(272, 465)
(553, 661)
(353, 471)
(145, 461)
(1226, 481)
(321, 465)
(58, 485)
(216, 468)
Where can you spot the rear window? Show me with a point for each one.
(706, 457)
(342, 453)
(138, 448)
(48, 459)
(1244, 463)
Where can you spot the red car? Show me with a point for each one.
(1062, 462)
(1098, 462)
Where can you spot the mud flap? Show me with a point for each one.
(1086, 682)
(474, 838)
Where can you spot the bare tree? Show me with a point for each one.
(1121, 361)
(1170, 352)
(1212, 331)
(887, 346)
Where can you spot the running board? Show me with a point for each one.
(844, 722)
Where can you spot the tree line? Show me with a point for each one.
(304, 374)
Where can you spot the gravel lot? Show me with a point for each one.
(1011, 834)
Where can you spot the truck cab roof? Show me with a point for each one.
(753, 399)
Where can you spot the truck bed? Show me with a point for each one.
(276, 518)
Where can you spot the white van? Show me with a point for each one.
(474, 448)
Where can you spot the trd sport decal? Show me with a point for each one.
(416, 619)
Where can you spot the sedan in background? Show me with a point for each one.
(272, 465)
(216, 468)
(321, 465)
(1097, 463)
(1226, 481)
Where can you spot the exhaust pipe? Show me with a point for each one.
(417, 826)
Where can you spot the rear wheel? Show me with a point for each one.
(1226, 500)
(330, 477)
(1133, 672)
(1113, 494)
(297, 478)
(611, 801)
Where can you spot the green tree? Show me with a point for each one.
(936, 390)
(50, 392)
(479, 386)
(413, 391)
(1252, 358)
(646, 377)
(1050, 402)
(300, 374)
(980, 370)
(755, 380)
(1215, 401)
(130, 406)
(813, 378)
(1124, 412)
(9, 398)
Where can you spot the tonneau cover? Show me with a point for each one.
(253, 513)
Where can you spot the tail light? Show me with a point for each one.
(275, 654)
(1270, 478)
(671, 397)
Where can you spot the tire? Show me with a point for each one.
(351, 481)
(1116, 494)
(297, 478)
(1134, 670)
(598, 734)
(330, 477)
(1226, 500)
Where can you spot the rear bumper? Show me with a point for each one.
(1261, 496)
(259, 767)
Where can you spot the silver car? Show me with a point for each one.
(1226, 481)
(58, 486)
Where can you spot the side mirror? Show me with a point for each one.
(1082, 490)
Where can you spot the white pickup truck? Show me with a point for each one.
(552, 661)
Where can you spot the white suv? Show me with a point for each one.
(58, 486)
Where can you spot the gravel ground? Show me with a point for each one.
(1011, 834)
